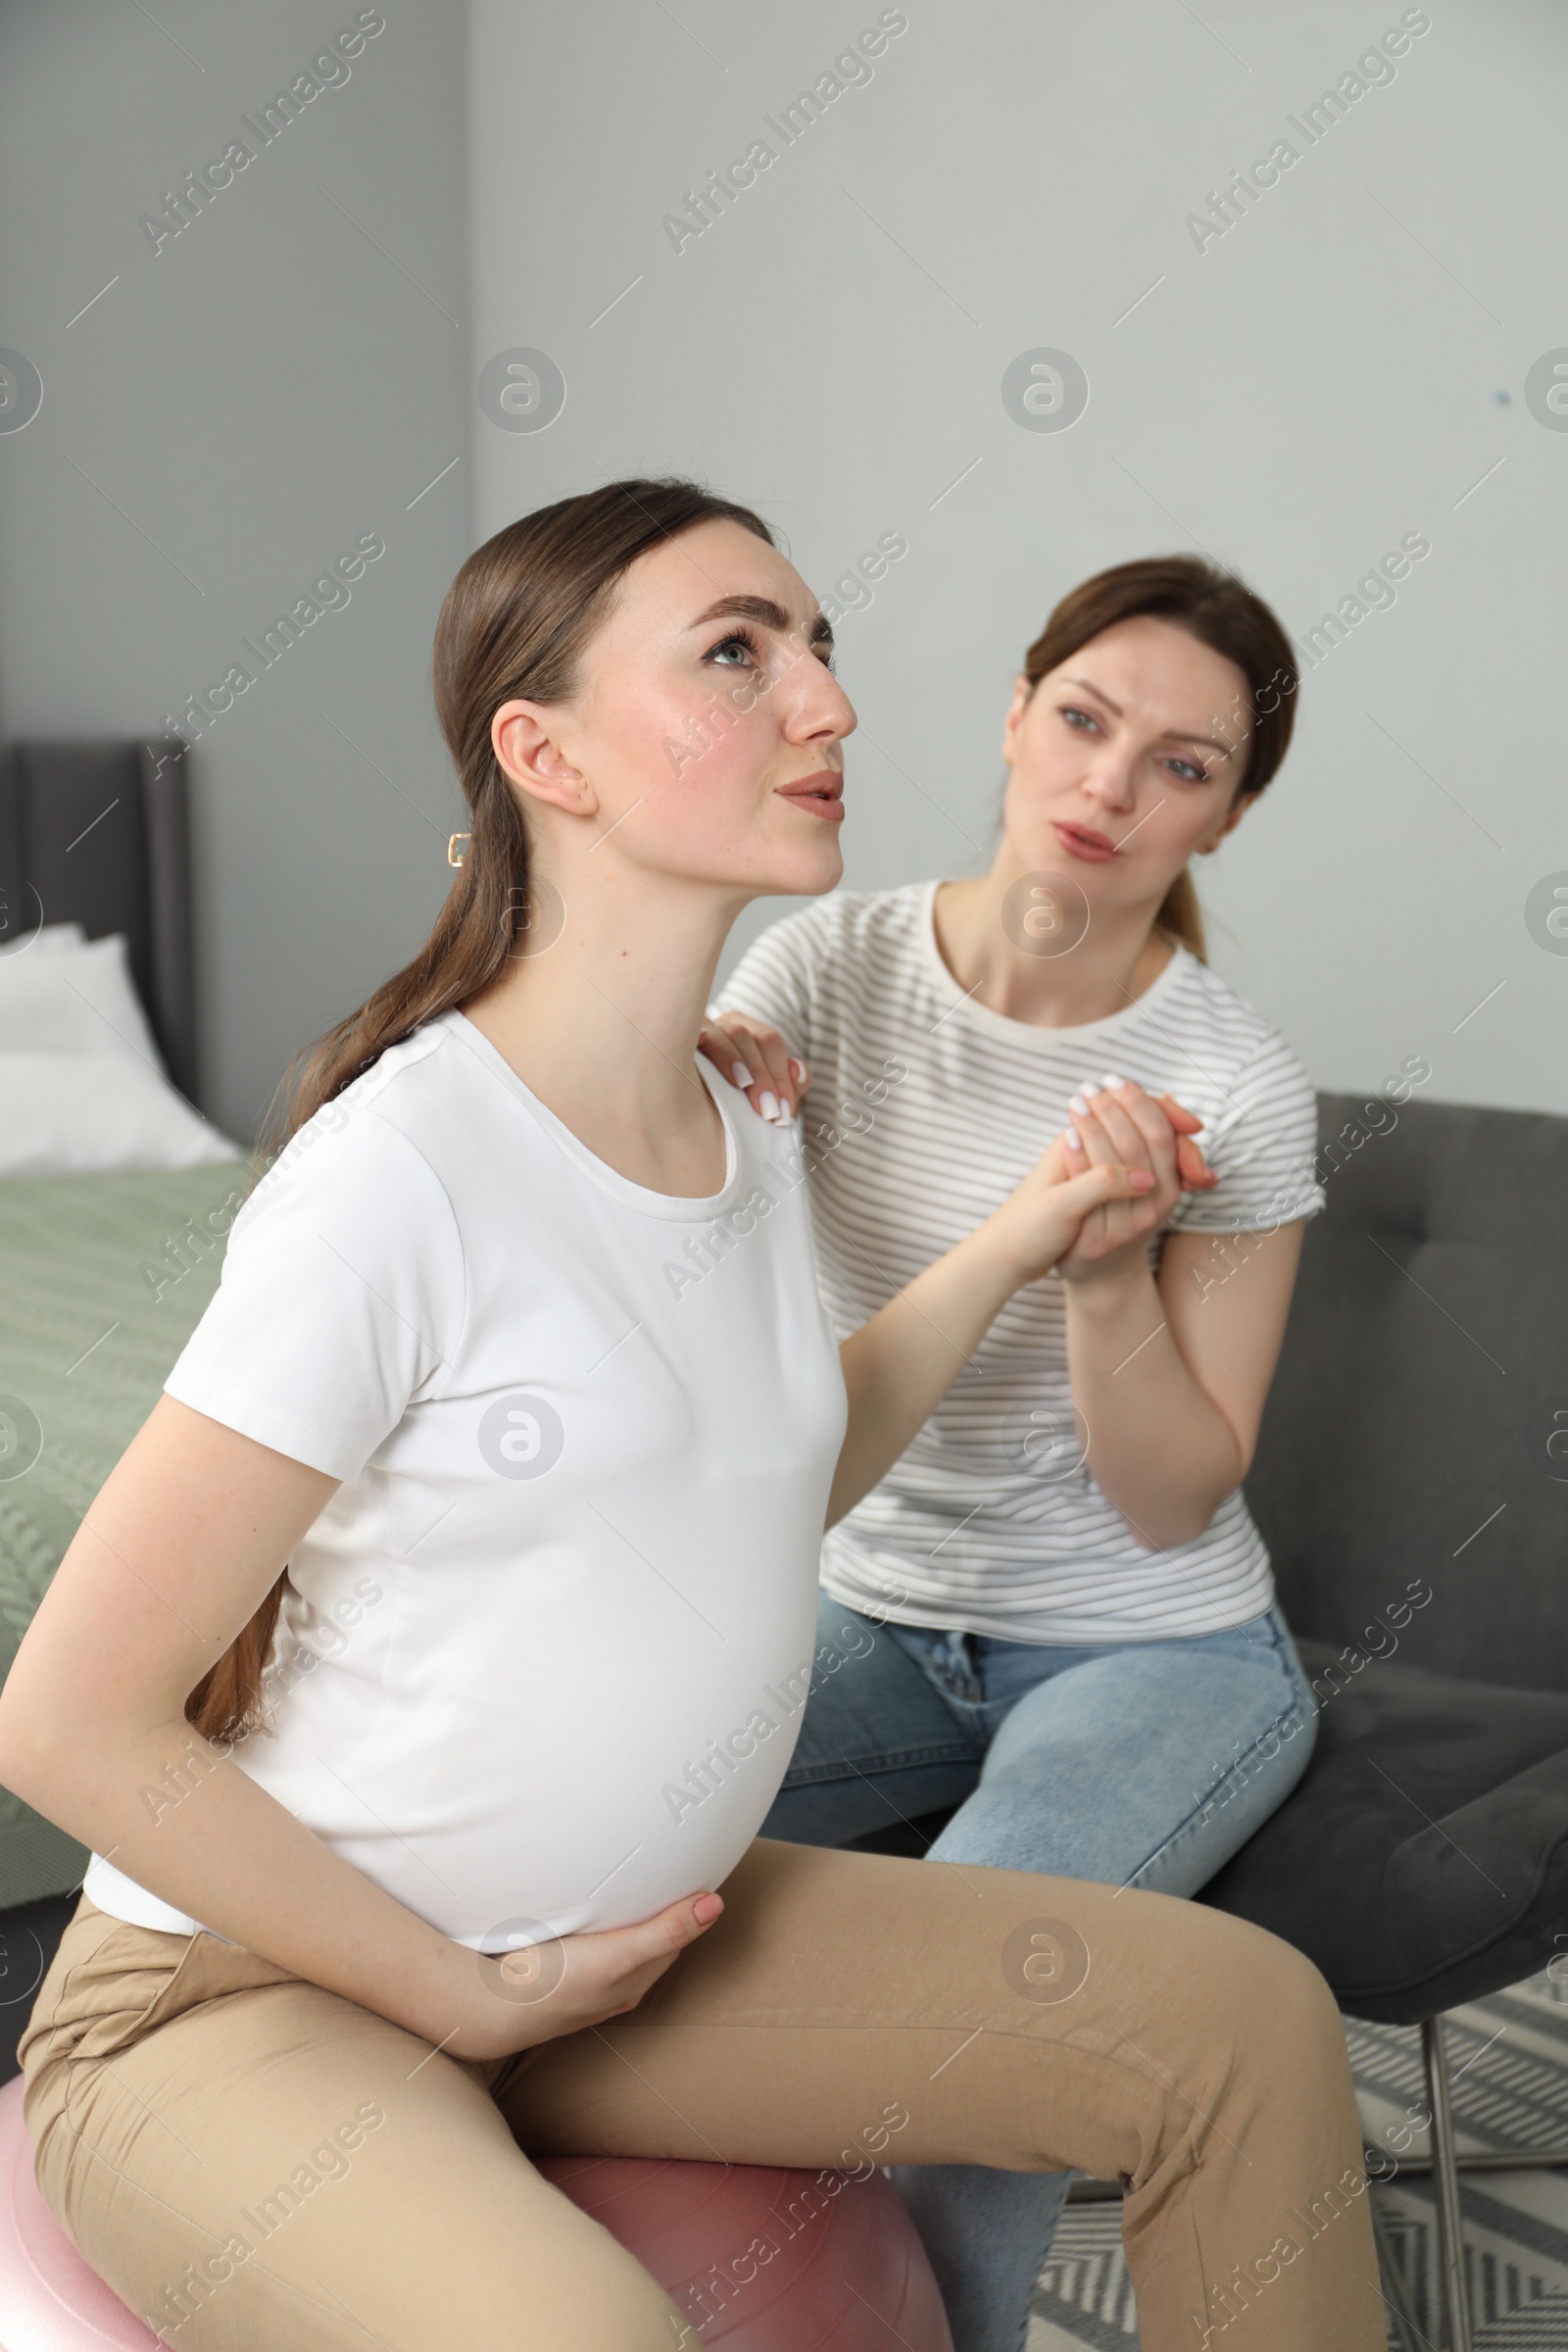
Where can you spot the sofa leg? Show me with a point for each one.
(1446, 2183)
(1395, 2293)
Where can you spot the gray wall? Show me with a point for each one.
(281, 377)
(1336, 369)
(1339, 368)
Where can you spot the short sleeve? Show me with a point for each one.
(1263, 1145)
(341, 1298)
(773, 983)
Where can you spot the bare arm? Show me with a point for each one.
(900, 1365)
(184, 1540)
(1171, 1382)
(1171, 1376)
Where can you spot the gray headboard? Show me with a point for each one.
(98, 833)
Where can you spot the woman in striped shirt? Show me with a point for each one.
(1054, 1612)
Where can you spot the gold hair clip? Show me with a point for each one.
(452, 844)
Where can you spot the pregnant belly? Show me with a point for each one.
(568, 1801)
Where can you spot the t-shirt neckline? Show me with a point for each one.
(1029, 1034)
(675, 1208)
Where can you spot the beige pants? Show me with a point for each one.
(253, 2163)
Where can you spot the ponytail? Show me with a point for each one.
(1181, 917)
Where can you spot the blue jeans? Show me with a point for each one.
(1144, 1763)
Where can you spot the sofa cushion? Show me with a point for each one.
(1422, 1860)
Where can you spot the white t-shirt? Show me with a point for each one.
(925, 1111)
(548, 1646)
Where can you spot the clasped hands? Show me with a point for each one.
(1105, 1183)
(1116, 1124)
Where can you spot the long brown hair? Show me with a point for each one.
(515, 625)
(1222, 612)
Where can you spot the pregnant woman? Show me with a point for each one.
(1054, 1612)
(426, 1666)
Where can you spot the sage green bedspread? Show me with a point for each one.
(102, 1279)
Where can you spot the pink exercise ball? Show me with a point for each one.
(761, 2259)
(50, 2299)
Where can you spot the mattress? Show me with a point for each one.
(103, 1278)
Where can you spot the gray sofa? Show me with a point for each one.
(1411, 1482)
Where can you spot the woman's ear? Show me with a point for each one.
(526, 738)
(1231, 818)
(1022, 689)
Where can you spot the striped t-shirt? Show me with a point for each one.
(925, 1111)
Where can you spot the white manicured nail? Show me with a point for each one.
(1114, 1082)
(1071, 1134)
(768, 1105)
(742, 1075)
(1079, 1105)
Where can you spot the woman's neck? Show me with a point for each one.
(1120, 956)
(601, 1022)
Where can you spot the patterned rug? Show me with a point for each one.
(1508, 2060)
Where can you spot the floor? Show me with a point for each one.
(1508, 2058)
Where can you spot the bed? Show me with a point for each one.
(104, 1270)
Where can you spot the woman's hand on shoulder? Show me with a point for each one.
(757, 1060)
(508, 2001)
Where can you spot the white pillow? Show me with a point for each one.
(46, 939)
(74, 998)
(64, 1112)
